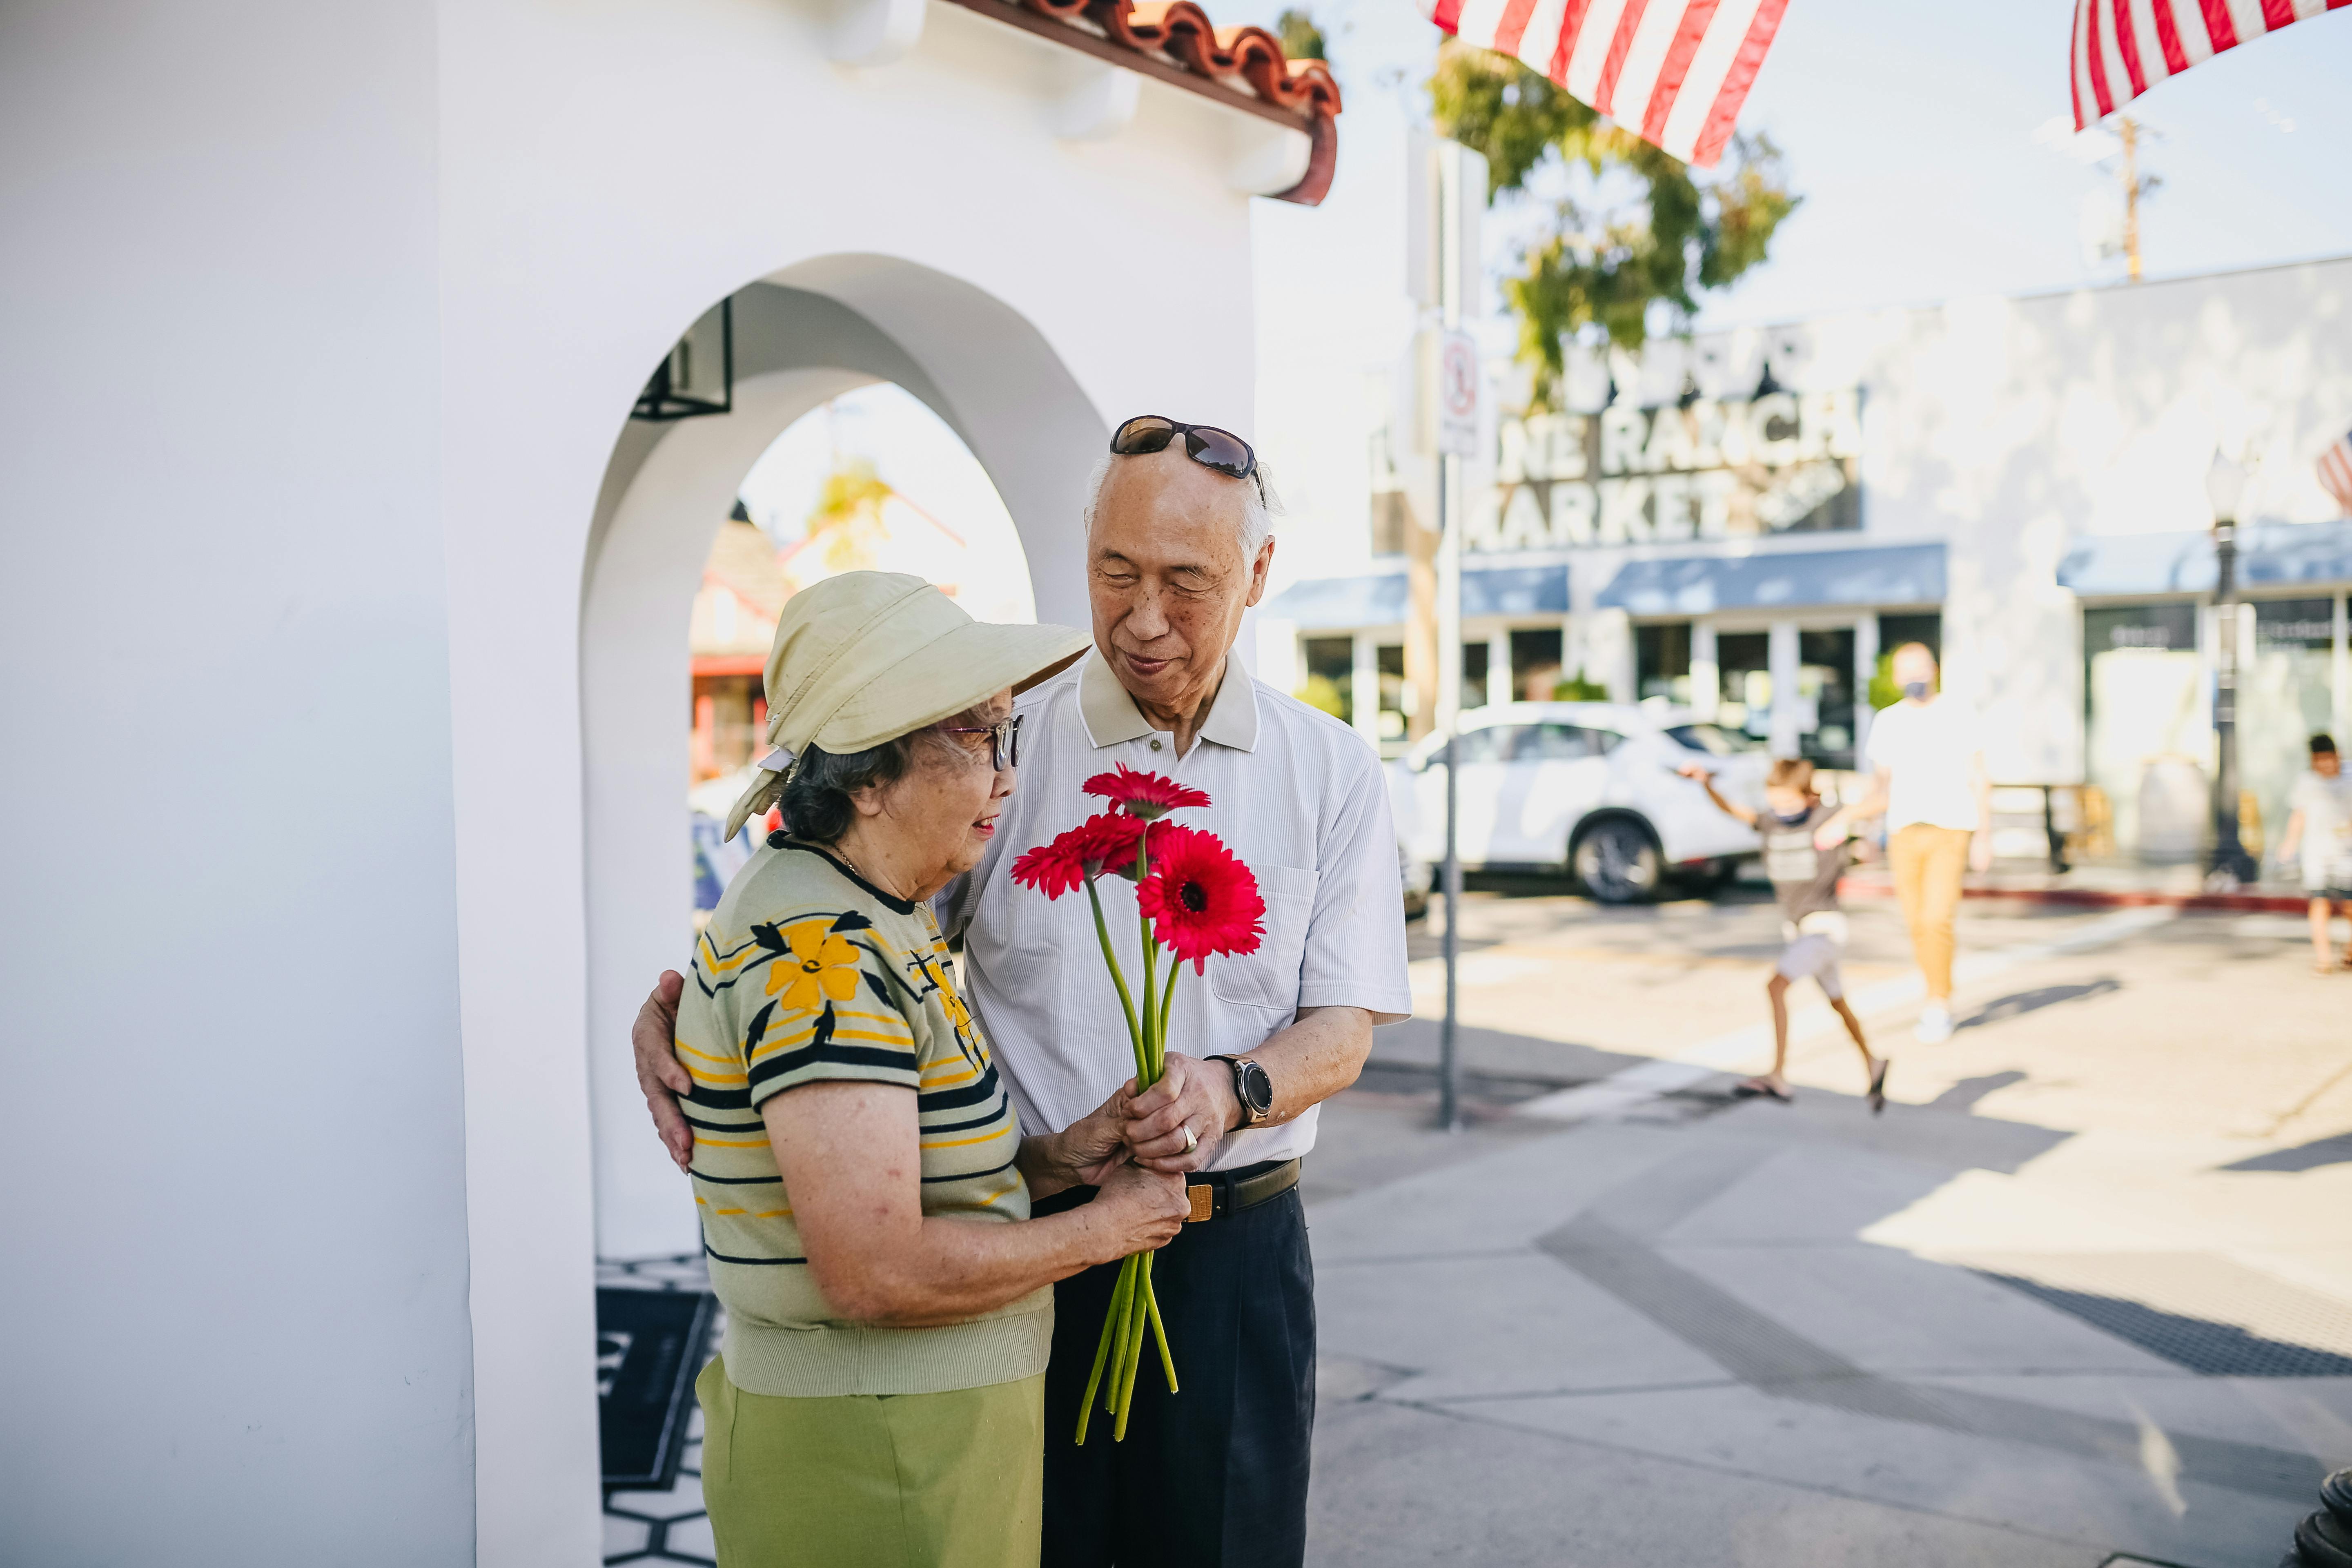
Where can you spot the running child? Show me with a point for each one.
(1815, 930)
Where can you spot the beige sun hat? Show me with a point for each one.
(866, 657)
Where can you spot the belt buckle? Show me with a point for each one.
(1203, 1197)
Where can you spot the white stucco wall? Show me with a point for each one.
(325, 328)
(232, 1192)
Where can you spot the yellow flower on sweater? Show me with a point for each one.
(819, 965)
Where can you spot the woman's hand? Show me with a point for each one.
(1142, 1210)
(1081, 1154)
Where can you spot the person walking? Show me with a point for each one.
(2319, 839)
(1814, 927)
(863, 1188)
(1928, 780)
(1177, 544)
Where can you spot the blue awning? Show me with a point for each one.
(1329, 603)
(2270, 554)
(1792, 579)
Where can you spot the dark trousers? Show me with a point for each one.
(1215, 1475)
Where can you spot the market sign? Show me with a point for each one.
(1781, 463)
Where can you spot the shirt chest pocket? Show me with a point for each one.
(1269, 977)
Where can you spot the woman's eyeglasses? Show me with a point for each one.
(1206, 445)
(1003, 741)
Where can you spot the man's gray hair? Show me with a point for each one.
(1261, 504)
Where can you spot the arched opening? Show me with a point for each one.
(815, 332)
(870, 480)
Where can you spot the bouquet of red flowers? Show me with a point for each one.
(1195, 898)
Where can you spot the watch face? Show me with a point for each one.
(1257, 1088)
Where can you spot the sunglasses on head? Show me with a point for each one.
(1206, 445)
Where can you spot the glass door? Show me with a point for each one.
(2284, 697)
(2148, 732)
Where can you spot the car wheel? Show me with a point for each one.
(1617, 861)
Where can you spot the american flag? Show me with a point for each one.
(2335, 472)
(1674, 71)
(2123, 47)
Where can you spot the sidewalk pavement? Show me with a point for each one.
(2085, 1290)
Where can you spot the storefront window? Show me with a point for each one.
(1825, 697)
(2284, 697)
(2148, 732)
(1474, 674)
(1535, 664)
(1661, 661)
(1389, 658)
(1745, 660)
(1330, 683)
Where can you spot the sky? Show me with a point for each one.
(1921, 139)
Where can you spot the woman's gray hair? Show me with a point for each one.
(1261, 504)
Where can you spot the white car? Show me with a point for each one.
(1589, 788)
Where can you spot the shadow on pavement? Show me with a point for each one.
(2336, 1150)
(2002, 1009)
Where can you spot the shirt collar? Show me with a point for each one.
(1111, 716)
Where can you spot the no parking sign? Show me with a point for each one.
(1457, 395)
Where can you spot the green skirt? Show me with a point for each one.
(897, 1480)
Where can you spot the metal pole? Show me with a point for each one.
(1449, 1054)
(2228, 854)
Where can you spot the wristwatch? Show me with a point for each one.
(1251, 1086)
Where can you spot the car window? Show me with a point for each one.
(1552, 743)
(1714, 740)
(1485, 745)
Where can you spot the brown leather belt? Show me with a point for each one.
(1217, 1193)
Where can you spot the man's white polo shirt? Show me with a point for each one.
(1295, 793)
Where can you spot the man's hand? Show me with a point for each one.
(659, 1073)
(1192, 1094)
(1980, 853)
(1832, 833)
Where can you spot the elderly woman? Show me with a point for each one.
(862, 1184)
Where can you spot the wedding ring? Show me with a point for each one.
(1191, 1139)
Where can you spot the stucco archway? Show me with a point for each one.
(802, 336)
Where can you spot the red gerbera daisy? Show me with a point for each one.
(1199, 898)
(1144, 795)
(1105, 842)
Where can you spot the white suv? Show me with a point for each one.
(1589, 788)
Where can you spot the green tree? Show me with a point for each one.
(1301, 38)
(1600, 268)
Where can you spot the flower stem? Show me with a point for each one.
(1134, 1349)
(1102, 1355)
(1118, 976)
(1158, 1331)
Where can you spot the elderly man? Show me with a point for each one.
(1178, 546)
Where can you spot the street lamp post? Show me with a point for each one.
(2225, 487)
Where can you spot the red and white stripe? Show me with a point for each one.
(1674, 71)
(2123, 47)
(2335, 473)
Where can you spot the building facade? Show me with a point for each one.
(1748, 522)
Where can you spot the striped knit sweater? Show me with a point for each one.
(806, 974)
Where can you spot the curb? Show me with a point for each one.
(2103, 898)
